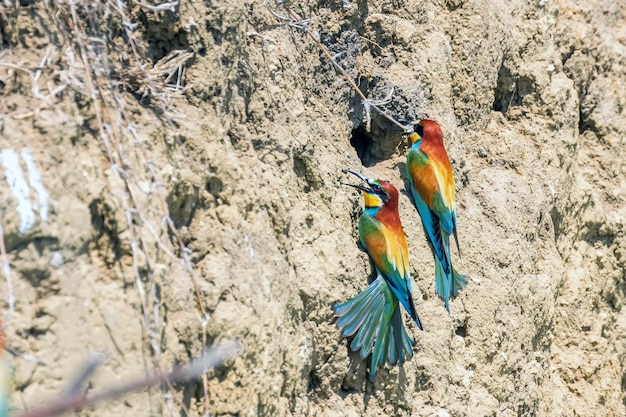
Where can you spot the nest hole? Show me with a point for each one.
(362, 143)
(381, 143)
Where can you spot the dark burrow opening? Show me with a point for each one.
(362, 142)
(461, 331)
(377, 145)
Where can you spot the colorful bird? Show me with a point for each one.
(432, 186)
(374, 315)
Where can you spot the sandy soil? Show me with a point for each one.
(99, 148)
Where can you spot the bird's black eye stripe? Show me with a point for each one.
(419, 129)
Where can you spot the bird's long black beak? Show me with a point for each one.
(361, 176)
(357, 186)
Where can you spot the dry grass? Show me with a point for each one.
(89, 64)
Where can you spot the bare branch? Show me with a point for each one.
(296, 21)
(171, 6)
(83, 376)
(211, 358)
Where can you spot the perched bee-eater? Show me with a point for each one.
(432, 185)
(374, 315)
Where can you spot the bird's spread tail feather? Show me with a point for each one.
(402, 343)
(442, 282)
(354, 312)
(459, 282)
(448, 285)
(393, 344)
(374, 318)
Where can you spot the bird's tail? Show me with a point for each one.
(373, 318)
(459, 282)
(443, 282)
(448, 284)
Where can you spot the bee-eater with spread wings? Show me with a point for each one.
(374, 315)
(432, 185)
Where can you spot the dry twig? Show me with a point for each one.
(74, 400)
(294, 20)
(95, 69)
(164, 82)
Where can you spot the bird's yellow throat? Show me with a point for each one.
(372, 200)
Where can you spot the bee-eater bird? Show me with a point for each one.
(432, 185)
(374, 315)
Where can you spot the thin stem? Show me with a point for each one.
(212, 358)
(298, 22)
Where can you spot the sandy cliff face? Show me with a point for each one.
(245, 162)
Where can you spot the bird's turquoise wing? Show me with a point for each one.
(389, 252)
(428, 199)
